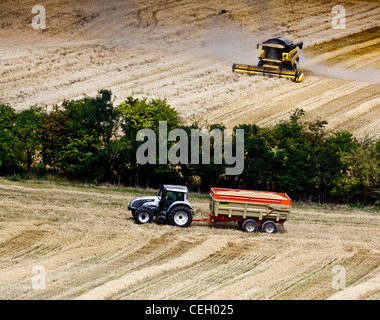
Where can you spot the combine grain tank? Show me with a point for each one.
(251, 209)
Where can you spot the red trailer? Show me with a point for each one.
(251, 209)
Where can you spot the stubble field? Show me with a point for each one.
(182, 51)
(90, 248)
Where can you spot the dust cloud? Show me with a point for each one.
(311, 63)
(233, 45)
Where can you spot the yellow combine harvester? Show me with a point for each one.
(278, 58)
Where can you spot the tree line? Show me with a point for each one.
(94, 141)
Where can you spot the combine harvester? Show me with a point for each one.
(278, 58)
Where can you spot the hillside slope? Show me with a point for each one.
(183, 51)
(90, 248)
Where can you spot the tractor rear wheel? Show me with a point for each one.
(180, 216)
(143, 215)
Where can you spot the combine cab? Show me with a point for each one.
(278, 58)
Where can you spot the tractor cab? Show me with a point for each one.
(169, 194)
(169, 205)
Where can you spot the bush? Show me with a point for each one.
(91, 140)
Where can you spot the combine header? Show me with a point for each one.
(278, 58)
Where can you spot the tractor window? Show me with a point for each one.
(171, 197)
(180, 196)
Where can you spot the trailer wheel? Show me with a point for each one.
(249, 225)
(180, 216)
(143, 215)
(269, 227)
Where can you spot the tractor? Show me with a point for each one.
(170, 205)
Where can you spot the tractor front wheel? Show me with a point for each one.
(143, 215)
(180, 216)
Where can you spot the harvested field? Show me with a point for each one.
(183, 51)
(91, 248)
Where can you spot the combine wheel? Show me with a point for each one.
(180, 216)
(249, 225)
(143, 215)
(269, 227)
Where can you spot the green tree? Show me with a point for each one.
(343, 141)
(91, 125)
(261, 160)
(76, 136)
(359, 180)
(92, 116)
(9, 152)
(139, 114)
(296, 170)
(54, 136)
(211, 173)
(26, 129)
(78, 157)
(330, 166)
